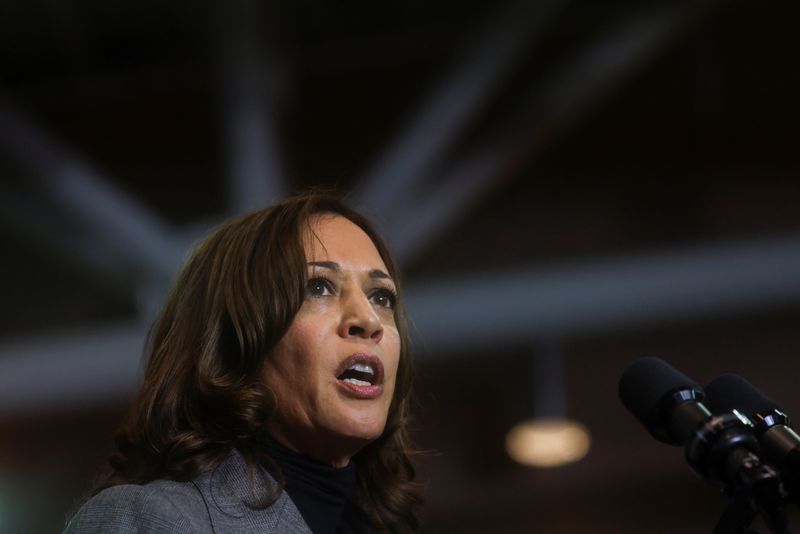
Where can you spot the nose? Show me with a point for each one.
(359, 318)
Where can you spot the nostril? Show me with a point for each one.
(355, 331)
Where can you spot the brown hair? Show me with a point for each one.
(203, 394)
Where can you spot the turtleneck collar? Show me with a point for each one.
(321, 492)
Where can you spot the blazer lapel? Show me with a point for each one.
(229, 487)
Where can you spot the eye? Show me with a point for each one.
(319, 287)
(385, 298)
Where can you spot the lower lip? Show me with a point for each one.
(361, 392)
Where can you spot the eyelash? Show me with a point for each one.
(388, 294)
(313, 289)
(326, 284)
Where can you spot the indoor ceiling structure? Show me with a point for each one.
(581, 182)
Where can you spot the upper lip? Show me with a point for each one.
(367, 359)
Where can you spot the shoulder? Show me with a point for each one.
(155, 507)
(215, 501)
(235, 492)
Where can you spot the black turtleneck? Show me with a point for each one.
(322, 493)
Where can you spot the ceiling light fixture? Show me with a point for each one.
(550, 439)
(548, 442)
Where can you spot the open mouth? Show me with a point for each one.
(361, 373)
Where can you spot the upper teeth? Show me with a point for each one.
(362, 368)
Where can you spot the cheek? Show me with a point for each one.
(295, 359)
(391, 352)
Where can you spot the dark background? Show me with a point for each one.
(602, 133)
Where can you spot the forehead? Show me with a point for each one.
(336, 238)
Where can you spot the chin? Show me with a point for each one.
(364, 429)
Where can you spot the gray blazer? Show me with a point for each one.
(212, 503)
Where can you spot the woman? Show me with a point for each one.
(276, 390)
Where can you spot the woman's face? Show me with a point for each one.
(333, 373)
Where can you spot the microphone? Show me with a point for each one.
(779, 442)
(664, 400)
(721, 448)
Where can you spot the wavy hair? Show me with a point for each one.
(203, 393)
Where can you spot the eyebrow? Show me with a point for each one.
(333, 266)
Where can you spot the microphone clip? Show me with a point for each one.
(725, 451)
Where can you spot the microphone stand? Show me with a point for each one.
(742, 510)
(754, 488)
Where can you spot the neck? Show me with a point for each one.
(335, 451)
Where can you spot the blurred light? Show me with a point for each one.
(547, 442)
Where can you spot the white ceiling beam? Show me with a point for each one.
(35, 224)
(418, 149)
(70, 369)
(486, 311)
(255, 174)
(586, 80)
(125, 228)
(494, 309)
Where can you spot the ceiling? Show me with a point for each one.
(561, 146)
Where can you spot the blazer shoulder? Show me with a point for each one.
(232, 485)
(218, 500)
(159, 506)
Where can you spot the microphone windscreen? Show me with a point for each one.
(643, 388)
(730, 391)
